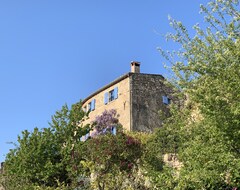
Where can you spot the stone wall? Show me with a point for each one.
(139, 101)
(146, 98)
(121, 104)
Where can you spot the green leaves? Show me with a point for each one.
(207, 68)
(44, 157)
(109, 158)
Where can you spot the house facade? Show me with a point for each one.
(137, 97)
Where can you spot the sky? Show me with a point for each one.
(54, 52)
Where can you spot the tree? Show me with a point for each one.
(44, 157)
(208, 66)
(206, 69)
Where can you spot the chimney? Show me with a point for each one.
(135, 67)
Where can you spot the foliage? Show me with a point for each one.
(55, 158)
(44, 157)
(202, 135)
(208, 163)
(158, 173)
(111, 159)
(206, 69)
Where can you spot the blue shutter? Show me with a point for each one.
(115, 92)
(93, 104)
(165, 99)
(86, 136)
(82, 139)
(106, 98)
(114, 130)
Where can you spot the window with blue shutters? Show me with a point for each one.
(91, 105)
(166, 100)
(111, 95)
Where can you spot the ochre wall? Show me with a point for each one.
(121, 104)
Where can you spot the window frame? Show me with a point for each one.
(111, 95)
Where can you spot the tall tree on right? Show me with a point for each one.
(207, 70)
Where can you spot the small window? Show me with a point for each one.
(166, 100)
(111, 95)
(89, 106)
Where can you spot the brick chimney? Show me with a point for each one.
(135, 67)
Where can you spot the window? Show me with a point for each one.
(166, 100)
(114, 130)
(111, 95)
(91, 105)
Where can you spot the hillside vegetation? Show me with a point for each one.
(197, 148)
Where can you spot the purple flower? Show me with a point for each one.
(105, 121)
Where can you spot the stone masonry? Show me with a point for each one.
(137, 98)
(146, 100)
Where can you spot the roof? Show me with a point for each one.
(113, 83)
(107, 86)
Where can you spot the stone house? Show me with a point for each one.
(137, 98)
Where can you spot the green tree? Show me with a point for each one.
(45, 157)
(207, 66)
(206, 70)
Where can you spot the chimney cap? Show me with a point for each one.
(137, 63)
(135, 67)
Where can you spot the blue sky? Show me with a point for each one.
(56, 52)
